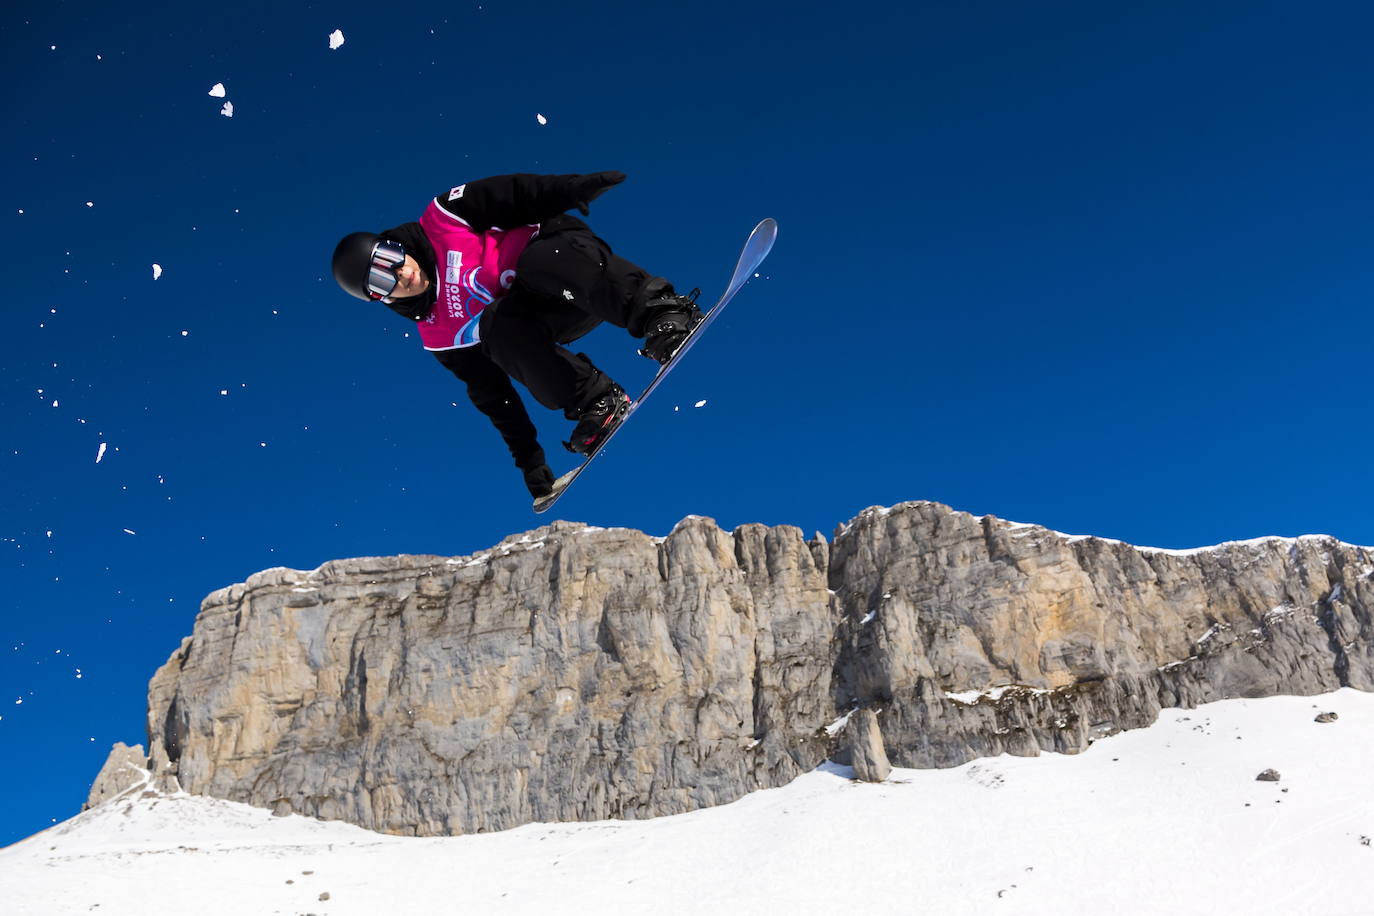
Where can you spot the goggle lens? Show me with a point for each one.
(381, 273)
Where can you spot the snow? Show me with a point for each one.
(336, 40)
(217, 90)
(542, 120)
(970, 697)
(834, 728)
(1168, 819)
(227, 110)
(1023, 529)
(157, 271)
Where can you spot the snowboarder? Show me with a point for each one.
(498, 278)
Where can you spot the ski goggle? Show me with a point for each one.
(387, 256)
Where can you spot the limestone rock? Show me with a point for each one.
(567, 674)
(866, 747)
(983, 637)
(125, 768)
(576, 673)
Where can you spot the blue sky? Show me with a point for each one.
(1101, 268)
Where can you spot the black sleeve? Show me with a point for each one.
(506, 201)
(492, 393)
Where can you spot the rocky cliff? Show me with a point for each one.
(577, 673)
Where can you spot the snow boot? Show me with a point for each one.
(598, 420)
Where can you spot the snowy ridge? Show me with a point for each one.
(504, 549)
(1027, 528)
(1179, 552)
(1166, 819)
(299, 579)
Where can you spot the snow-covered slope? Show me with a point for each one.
(1169, 819)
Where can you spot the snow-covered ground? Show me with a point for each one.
(1167, 820)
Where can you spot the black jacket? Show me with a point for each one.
(501, 202)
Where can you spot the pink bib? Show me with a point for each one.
(474, 269)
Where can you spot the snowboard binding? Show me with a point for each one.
(671, 320)
(598, 420)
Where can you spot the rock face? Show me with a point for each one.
(125, 768)
(1048, 641)
(866, 747)
(570, 674)
(576, 673)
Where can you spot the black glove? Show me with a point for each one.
(539, 480)
(588, 188)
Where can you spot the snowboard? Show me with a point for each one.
(756, 248)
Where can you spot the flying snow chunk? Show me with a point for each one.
(335, 39)
(157, 271)
(127, 531)
(217, 90)
(701, 403)
(542, 119)
(227, 110)
(100, 454)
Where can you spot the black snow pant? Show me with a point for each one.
(567, 282)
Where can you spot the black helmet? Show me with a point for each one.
(353, 261)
